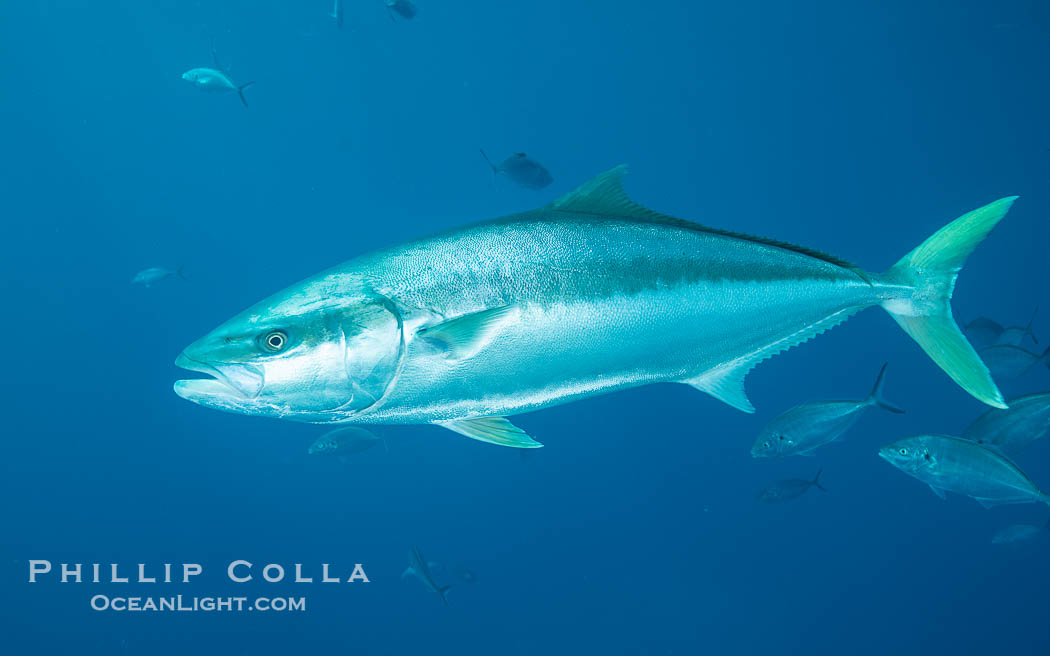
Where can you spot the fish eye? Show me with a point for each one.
(927, 456)
(780, 437)
(902, 451)
(765, 445)
(274, 341)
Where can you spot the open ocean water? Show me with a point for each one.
(858, 128)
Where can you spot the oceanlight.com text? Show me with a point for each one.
(181, 603)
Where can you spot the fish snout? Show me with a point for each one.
(889, 454)
(244, 380)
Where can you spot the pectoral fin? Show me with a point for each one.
(495, 430)
(939, 492)
(726, 385)
(407, 573)
(464, 336)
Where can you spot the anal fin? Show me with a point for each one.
(726, 385)
(494, 430)
(726, 382)
(939, 492)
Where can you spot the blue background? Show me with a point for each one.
(858, 128)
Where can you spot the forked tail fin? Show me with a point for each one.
(816, 482)
(926, 314)
(1028, 328)
(876, 394)
(240, 91)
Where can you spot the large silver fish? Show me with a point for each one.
(956, 465)
(1006, 361)
(590, 294)
(1027, 419)
(807, 427)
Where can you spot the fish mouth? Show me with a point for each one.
(230, 380)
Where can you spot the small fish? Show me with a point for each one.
(420, 568)
(956, 465)
(344, 442)
(147, 277)
(1014, 335)
(983, 332)
(790, 489)
(1025, 421)
(1019, 533)
(1005, 361)
(404, 8)
(523, 170)
(804, 428)
(215, 80)
(337, 13)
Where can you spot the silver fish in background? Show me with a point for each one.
(404, 8)
(522, 170)
(789, 489)
(337, 12)
(1015, 335)
(1026, 420)
(345, 442)
(215, 80)
(421, 569)
(983, 332)
(1020, 533)
(956, 465)
(590, 294)
(1005, 361)
(152, 275)
(806, 427)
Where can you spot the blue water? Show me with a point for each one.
(858, 128)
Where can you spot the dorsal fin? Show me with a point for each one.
(604, 196)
